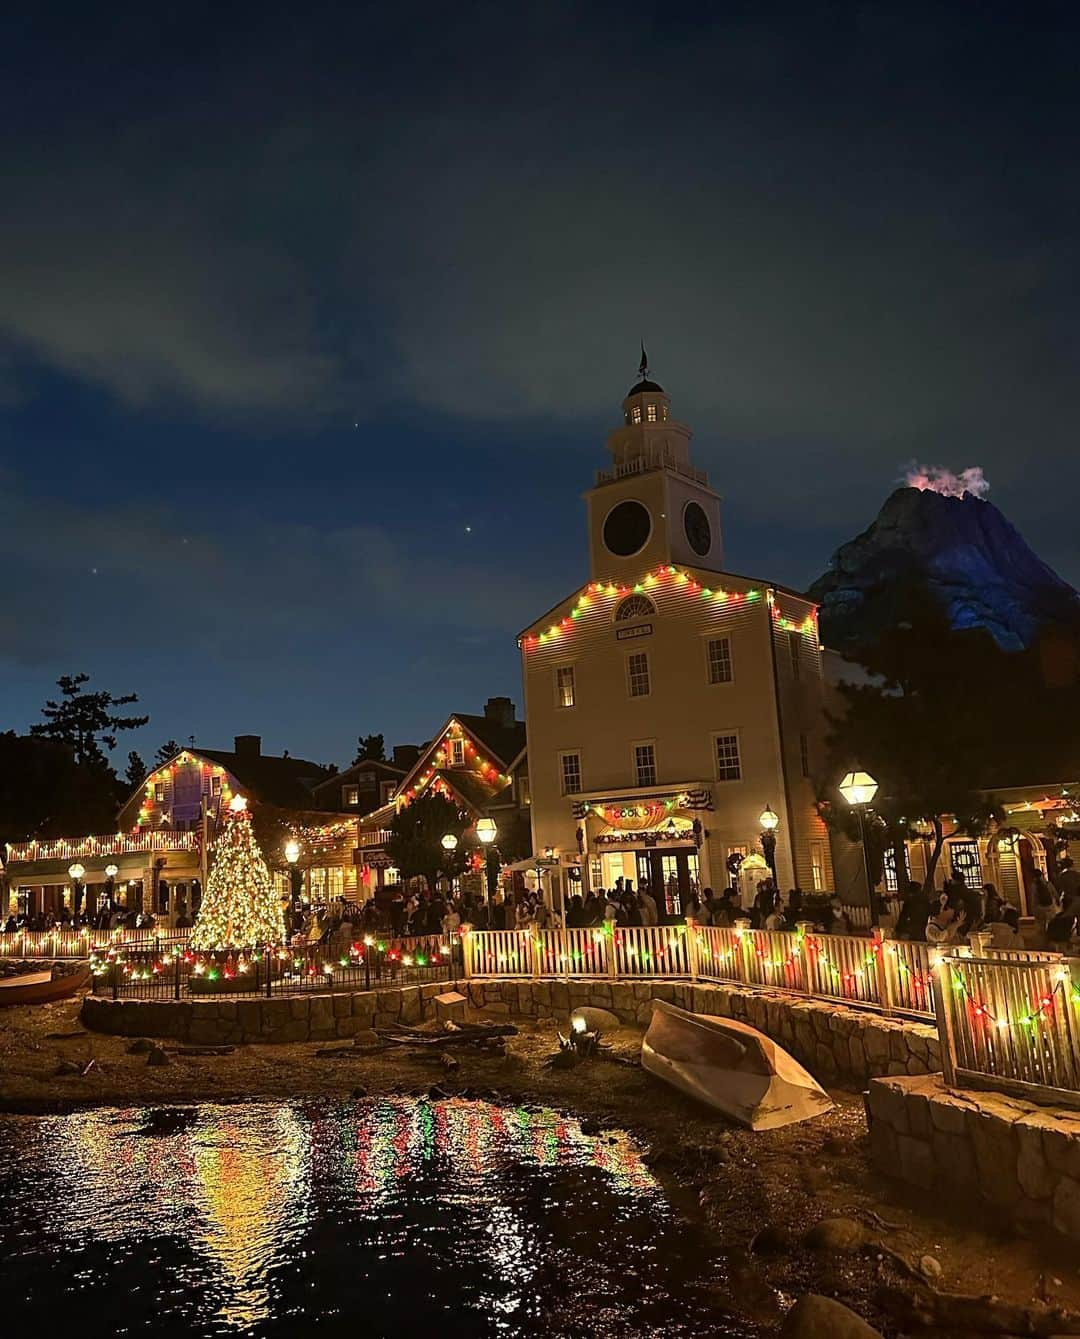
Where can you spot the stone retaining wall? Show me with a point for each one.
(831, 1040)
(1022, 1159)
(214, 1022)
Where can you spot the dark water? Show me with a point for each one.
(389, 1216)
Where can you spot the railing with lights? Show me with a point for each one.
(123, 971)
(67, 943)
(1011, 1025)
(118, 843)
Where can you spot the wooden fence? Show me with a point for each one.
(67, 943)
(1011, 1024)
(872, 972)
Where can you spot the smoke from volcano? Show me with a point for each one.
(938, 479)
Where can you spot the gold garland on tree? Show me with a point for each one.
(240, 907)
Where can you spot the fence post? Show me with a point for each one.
(742, 929)
(269, 971)
(692, 947)
(942, 1007)
(466, 963)
(176, 976)
(884, 985)
(612, 962)
(804, 929)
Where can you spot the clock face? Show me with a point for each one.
(627, 528)
(698, 530)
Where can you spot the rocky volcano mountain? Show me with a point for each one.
(963, 552)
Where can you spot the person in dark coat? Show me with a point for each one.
(914, 913)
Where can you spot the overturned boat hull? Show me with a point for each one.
(41, 987)
(731, 1067)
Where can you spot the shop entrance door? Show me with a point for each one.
(671, 876)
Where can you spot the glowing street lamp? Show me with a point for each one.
(75, 873)
(769, 821)
(486, 830)
(449, 842)
(296, 876)
(858, 789)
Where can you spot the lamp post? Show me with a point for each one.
(75, 873)
(858, 789)
(486, 832)
(769, 821)
(450, 844)
(296, 877)
(111, 871)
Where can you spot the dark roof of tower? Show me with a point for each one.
(645, 385)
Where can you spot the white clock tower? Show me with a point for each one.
(652, 506)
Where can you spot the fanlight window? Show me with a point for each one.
(635, 606)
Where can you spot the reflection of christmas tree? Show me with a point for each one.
(239, 906)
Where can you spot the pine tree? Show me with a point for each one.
(240, 908)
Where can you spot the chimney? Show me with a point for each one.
(248, 746)
(500, 711)
(405, 755)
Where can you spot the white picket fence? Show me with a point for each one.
(892, 976)
(61, 943)
(1011, 1023)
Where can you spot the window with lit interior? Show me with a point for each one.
(565, 693)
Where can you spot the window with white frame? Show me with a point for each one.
(637, 674)
(565, 693)
(650, 413)
(215, 785)
(634, 606)
(635, 414)
(645, 764)
(570, 773)
(457, 753)
(719, 655)
(817, 865)
(728, 762)
(159, 791)
(350, 795)
(795, 648)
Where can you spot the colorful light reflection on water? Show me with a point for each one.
(382, 1216)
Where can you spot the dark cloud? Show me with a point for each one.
(845, 234)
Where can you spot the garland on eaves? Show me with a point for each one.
(477, 765)
(672, 576)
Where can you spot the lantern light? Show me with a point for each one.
(292, 849)
(858, 788)
(76, 871)
(769, 820)
(449, 842)
(486, 830)
(111, 871)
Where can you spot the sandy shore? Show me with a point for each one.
(738, 1181)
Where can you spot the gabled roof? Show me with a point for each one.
(287, 783)
(718, 584)
(504, 741)
(385, 770)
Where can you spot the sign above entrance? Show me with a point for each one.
(640, 630)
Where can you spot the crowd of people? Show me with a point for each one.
(103, 919)
(958, 911)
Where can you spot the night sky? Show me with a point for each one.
(313, 321)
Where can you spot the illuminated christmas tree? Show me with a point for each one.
(240, 907)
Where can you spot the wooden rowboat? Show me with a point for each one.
(41, 987)
(731, 1067)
